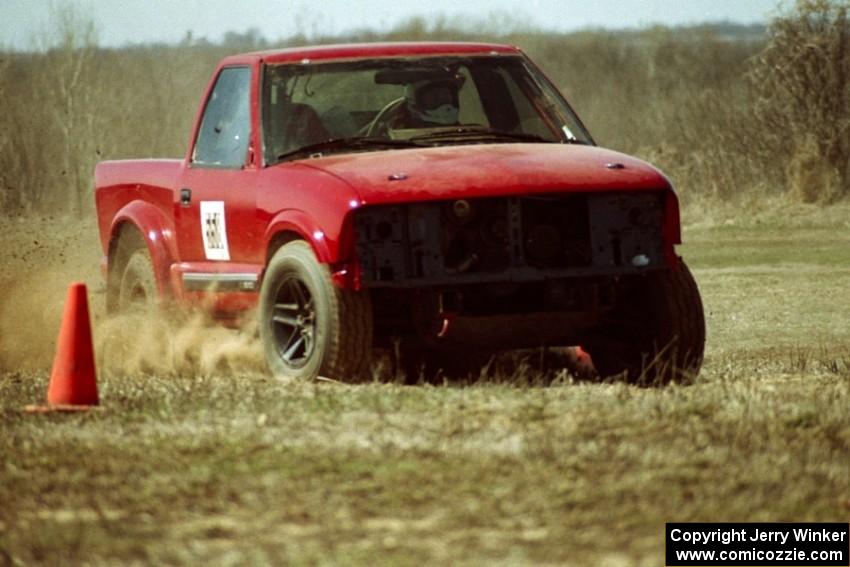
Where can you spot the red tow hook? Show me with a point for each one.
(583, 362)
(348, 276)
(447, 322)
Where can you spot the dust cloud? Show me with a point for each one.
(154, 343)
(30, 313)
(41, 256)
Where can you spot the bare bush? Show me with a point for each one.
(70, 87)
(70, 104)
(48, 122)
(7, 195)
(802, 85)
(17, 146)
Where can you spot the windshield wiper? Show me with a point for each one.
(353, 142)
(480, 131)
(477, 131)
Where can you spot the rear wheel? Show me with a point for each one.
(308, 326)
(656, 333)
(131, 281)
(137, 290)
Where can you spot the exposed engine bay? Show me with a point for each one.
(510, 239)
(540, 267)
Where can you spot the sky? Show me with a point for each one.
(123, 22)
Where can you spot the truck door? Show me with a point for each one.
(215, 202)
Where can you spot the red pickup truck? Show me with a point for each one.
(440, 197)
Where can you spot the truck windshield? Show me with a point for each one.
(382, 104)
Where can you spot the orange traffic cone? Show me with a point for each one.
(73, 384)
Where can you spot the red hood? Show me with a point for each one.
(487, 170)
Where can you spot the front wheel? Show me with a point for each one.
(656, 333)
(308, 326)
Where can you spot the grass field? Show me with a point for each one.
(223, 468)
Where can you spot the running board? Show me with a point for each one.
(219, 282)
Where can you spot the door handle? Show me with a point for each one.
(185, 197)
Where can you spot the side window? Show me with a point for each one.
(226, 124)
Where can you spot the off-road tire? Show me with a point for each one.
(137, 285)
(340, 328)
(656, 331)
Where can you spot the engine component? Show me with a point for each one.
(510, 239)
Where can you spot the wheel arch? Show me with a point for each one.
(292, 224)
(140, 224)
(279, 240)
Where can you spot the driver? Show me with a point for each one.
(432, 102)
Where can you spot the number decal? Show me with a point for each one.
(214, 230)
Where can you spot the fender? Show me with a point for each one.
(672, 229)
(325, 246)
(158, 231)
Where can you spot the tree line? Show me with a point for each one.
(726, 111)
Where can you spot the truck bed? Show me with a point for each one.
(119, 183)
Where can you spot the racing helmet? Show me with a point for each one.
(434, 100)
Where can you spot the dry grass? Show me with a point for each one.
(233, 468)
